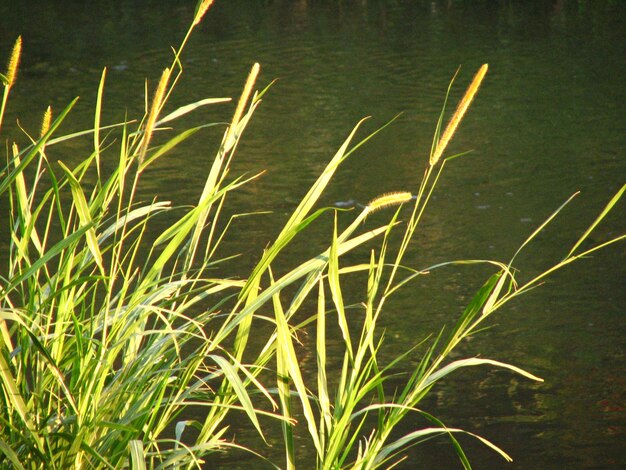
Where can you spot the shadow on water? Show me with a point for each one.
(549, 121)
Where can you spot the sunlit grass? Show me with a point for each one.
(120, 350)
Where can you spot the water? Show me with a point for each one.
(548, 121)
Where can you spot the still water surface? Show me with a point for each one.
(548, 121)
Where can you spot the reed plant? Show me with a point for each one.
(118, 350)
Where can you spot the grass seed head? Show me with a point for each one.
(458, 114)
(14, 61)
(243, 99)
(201, 11)
(157, 101)
(388, 200)
(45, 122)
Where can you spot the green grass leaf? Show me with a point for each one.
(82, 208)
(137, 457)
(230, 372)
(609, 207)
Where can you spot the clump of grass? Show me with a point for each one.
(105, 336)
(109, 339)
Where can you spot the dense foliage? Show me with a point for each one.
(108, 338)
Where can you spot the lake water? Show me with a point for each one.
(549, 121)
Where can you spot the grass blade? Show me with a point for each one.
(335, 290)
(239, 388)
(82, 208)
(291, 360)
(137, 457)
(11, 455)
(474, 361)
(599, 219)
(189, 108)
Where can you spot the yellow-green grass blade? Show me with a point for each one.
(322, 381)
(137, 457)
(74, 135)
(542, 226)
(283, 380)
(139, 213)
(414, 436)
(230, 372)
(475, 306)
(310, 281)
(30, 232)
(189, 220)
(315, 269)
(220, 165)
(291, 360)
(175, 237)
(189, 108)
(232, 135)
(96, 122)
(599, 219)
(169, 145)
(335, 290)
(11, 455)
(47, 201)
(80, 202)
(475, 361)
(493, 296)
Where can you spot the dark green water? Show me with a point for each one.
(548, 121)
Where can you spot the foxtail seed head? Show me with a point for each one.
(14, 61)
(201, 11)
(157, 101)
(458, 114)
(388, 200)
(243, 99)
(45, 122)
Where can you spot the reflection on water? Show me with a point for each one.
(549, 121)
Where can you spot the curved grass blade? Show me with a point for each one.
(599, 219)
(82, 208)
(189, 108)
(474, 361)
(239, 388)
(290, 359)
(137, 457)
(11, 455)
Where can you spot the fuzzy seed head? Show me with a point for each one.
(388, 200)
(155, 109)
(243, 99)
(458, 114)
(14, 61)
(45, 122)
(201, 11)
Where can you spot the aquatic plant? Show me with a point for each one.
(120, 350)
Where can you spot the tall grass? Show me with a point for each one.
(117, 350)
